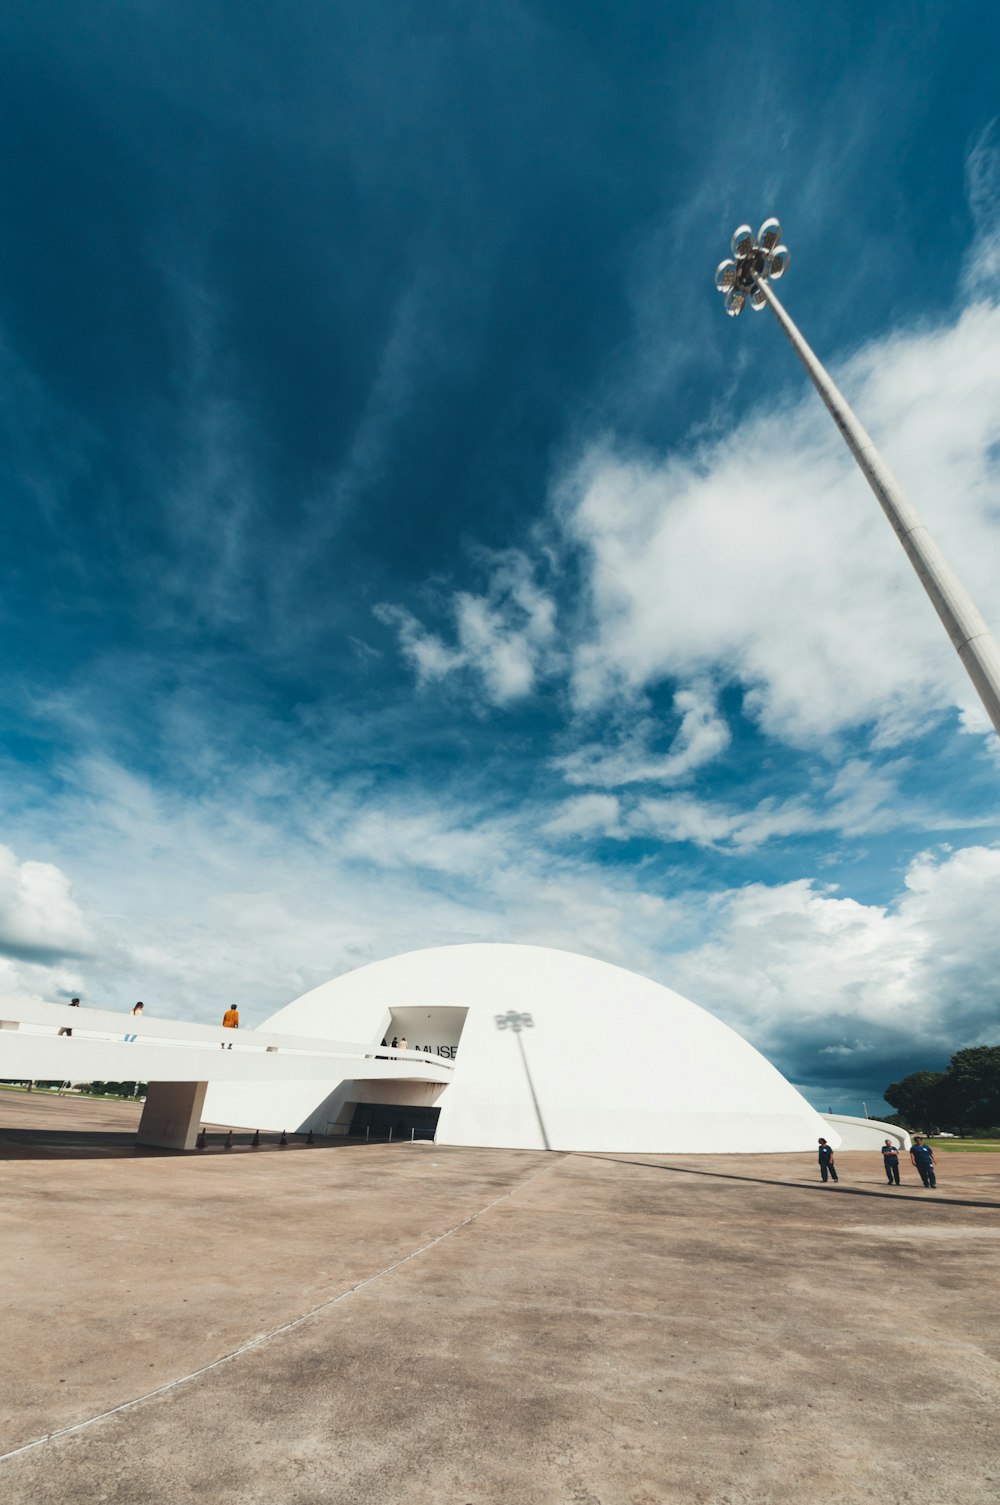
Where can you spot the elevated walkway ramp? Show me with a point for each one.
(179, 1059)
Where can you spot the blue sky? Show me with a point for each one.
(401, 547)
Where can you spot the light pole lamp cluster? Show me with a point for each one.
(758, 261)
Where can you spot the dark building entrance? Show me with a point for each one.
(402, 1118)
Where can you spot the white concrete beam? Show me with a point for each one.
(82, 1058)
(112, 1025)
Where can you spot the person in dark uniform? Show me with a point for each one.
(890, 1159)
(923, 1158)
(826, 1165)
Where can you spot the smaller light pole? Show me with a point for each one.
(761, 260)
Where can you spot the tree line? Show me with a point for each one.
(92, 1089)
(964, 1097)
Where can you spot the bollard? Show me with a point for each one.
(368, 1130)
(390, 1133)
(412, 1132)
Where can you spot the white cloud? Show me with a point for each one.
(199, 900)
(764, 557)
(504, 657)
(790, 962)
(860, 800)
(586, 815)
(455, 843)
(761, 557)
(702, 736)
(982, 187)
(38, 916)
(40, 982)
(427, 653)
(506, 638)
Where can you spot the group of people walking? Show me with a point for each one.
(921, 1155)
(230, 1020)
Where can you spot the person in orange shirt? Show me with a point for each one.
(230, 1020)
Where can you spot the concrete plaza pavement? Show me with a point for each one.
(442, 1326)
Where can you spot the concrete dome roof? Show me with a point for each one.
(594, 1057)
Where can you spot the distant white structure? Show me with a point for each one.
(866, 1133)
(550, 1050)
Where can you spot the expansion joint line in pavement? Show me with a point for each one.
(283, 1327)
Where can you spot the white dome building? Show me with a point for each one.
(551, 1051)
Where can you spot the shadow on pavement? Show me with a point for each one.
(57, 1144)
(882, 1193)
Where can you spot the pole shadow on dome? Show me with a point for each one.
(518, 1022)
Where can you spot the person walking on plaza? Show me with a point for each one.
(890, 1159)
(923, 1158)
(826, 1165)
(74, 1003)
(136, 1014)
(230, 1020)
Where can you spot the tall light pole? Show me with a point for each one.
(758, 262)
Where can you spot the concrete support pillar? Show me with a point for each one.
(172, 1115)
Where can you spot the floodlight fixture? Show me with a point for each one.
(761, 261)
(742, 242)
(756, 260)
(725, 276)
(777, 263)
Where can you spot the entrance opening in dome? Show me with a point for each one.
(393, 1121)
(436, 1030)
